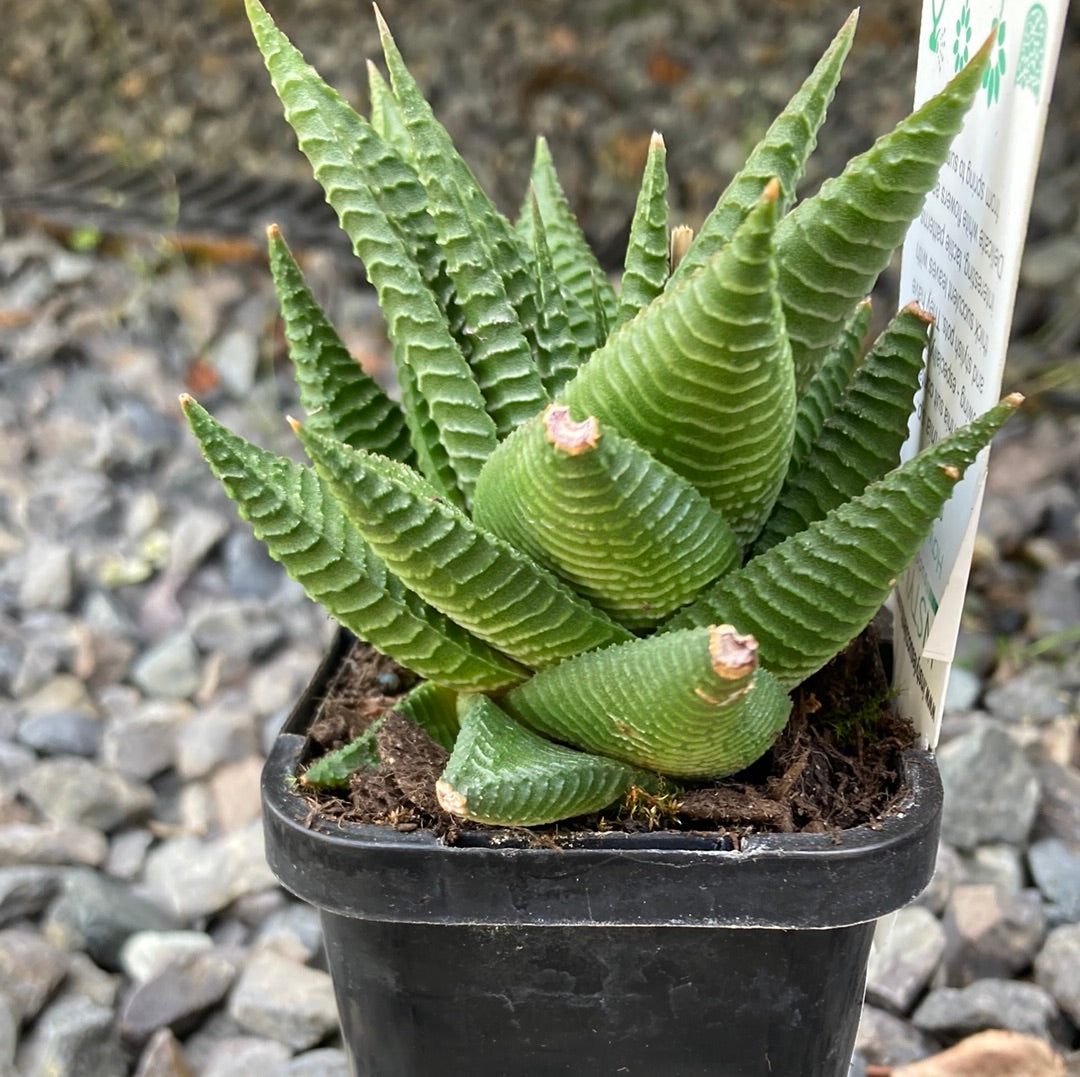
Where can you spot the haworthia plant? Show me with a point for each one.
(611, 530)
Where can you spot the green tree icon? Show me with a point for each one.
(995, 72)
(961, 47)
(1032, 50)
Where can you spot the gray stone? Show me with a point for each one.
(324, 1062)
(997, 865)
(963, 690)
(1055, 601)
(197, 878)
(886, 1040)
(163, 1057)
(197, 531)
(127, 853)
(991, 791)
(63, 692)
(902, 963)
(284, 1000)
(1055, 867)
(954, 1012)
(91, 981)
(245, 1056)
(30, 971)
(142, 743)
(1057, 969)
(75, 1038)
(235, 356)
(51, 843)
(47, 580)
(991, 933)
(9, 1035)
(170, 669)
(1059, 808)
(177, 996)
(25, 891)
(98, 914)
(62, 733)
(78, 791)
(250, 571)
(1034, 694)
(947, 873)
(240, 630)
(147, 953)
(14, 759)
(222, 733)
(294, 930)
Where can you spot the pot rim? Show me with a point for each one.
(774, 880)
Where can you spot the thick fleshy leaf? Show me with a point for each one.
(436, 157)
(557, 352)
(333, 770)
(861, 440)
(382, 209)
(645, 268)
(341, 399)
(831, 248)
(622, 529)
(292, 513)
(702, 378)
(503, 774)
(385, 114)
(433, 707)
(691, 704)
(807, 598)
(782, 153)
(575, 264)
(827, 386)
(481, 582)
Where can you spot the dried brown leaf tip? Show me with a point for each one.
(573, 438)
(682, 235)
(733, 654)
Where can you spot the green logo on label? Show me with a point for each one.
(995, 72)
(1032, 50)
(961, 47)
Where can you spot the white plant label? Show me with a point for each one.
(961, 261)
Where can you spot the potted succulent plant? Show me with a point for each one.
(607, 533)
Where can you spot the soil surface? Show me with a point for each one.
(836, 765)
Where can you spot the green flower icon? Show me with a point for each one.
(993, 75)
(961, 46)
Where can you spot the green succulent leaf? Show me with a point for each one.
(557, 352)
(502, 774)
(437, 159)
(807, 598)
(341, 399)
(334, 769)
(469, 231)
(382, 208)
(691, 704)
(702, 378)
(386, 116)
(621, 528)
(479, 581)
(645, 268)
(827, 386)
(861, 440)
(433, 707)
(292, 512)
(575, 264)
(832, 247)
(782, 152)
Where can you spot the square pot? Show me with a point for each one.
(631, 954)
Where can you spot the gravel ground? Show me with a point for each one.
(149, 649)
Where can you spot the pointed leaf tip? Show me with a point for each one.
(1014, 400)
(450, 799)
(772, 190)
(273, 232)
(186, 400)
(657, 141)
(295, 424)
(916, 311)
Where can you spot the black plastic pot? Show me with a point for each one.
(648, 954)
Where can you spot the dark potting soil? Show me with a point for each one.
(836, 765)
